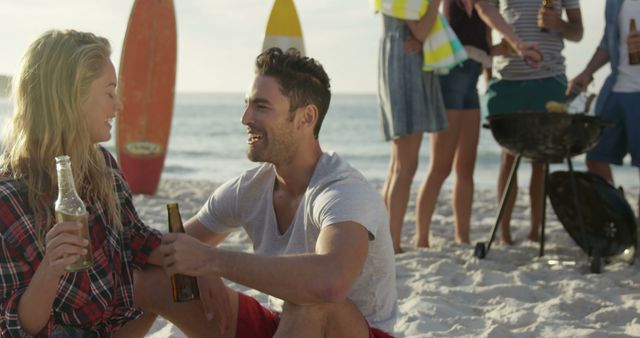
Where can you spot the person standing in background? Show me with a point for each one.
(457, 145)
(521, 88)
(410, 104)
(619, 97)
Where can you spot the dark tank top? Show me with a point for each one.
(471, 31)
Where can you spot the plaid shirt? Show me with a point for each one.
(99, 299)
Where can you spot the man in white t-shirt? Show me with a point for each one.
(619, 99)
(321, 241)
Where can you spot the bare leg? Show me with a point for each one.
(406, 150)
(535, 196)
(322, 320)
(153, 294)
(465, 162)
(386, 189)
(136, 328)
(505, 166)
(443, 148)
(600, 168)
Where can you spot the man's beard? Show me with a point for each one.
(277, 152)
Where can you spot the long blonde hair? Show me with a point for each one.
(53, 81)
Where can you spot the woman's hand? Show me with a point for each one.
(64, 246)
(528, 51)
(412, 45)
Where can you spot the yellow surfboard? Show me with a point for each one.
(283, 28)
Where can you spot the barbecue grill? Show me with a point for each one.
(548, 138)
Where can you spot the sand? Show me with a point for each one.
(445, 291)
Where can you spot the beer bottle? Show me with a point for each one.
(70, 207)
(184, 288)
(547, 4)
(634, 57)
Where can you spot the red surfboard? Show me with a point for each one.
(146, 83)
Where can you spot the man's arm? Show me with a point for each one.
(320, 277)
(580, 82)
(571, 29)
(421, 28)
(194, 228)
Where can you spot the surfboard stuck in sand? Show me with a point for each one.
(147, 82)
(283, 29)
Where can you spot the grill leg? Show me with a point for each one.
(545, 179)
(481, 252)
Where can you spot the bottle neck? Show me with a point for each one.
(66, 185)
(175, 221)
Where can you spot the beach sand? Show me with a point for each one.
(445, 291)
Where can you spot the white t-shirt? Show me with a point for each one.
(628, 80)
(336, 193)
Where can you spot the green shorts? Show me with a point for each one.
(518, 96)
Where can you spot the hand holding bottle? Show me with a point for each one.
(69, 207)
(64, 246)
(549, 19)
(579, 83)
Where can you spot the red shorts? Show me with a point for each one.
(256, 321)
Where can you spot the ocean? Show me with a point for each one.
(208, 142)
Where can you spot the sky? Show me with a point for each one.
(219, 40)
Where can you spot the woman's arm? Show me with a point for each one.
(63, 247)
(492, 17)
(422, 27)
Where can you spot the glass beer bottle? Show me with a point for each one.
(634, 57)
(70, 208)
(184, 288)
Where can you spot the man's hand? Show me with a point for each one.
(183, 254)
(550, 19)
(216, 304)
(579, 83)
(633, 42)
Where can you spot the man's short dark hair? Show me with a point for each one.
(302, 80)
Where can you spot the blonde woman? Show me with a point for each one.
(65, 101)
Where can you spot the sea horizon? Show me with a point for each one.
(208, 142)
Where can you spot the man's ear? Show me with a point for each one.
(308, 116)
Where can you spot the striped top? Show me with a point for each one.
(523, 17)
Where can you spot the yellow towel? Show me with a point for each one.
(442, 49)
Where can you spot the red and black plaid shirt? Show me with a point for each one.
(100, 298)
